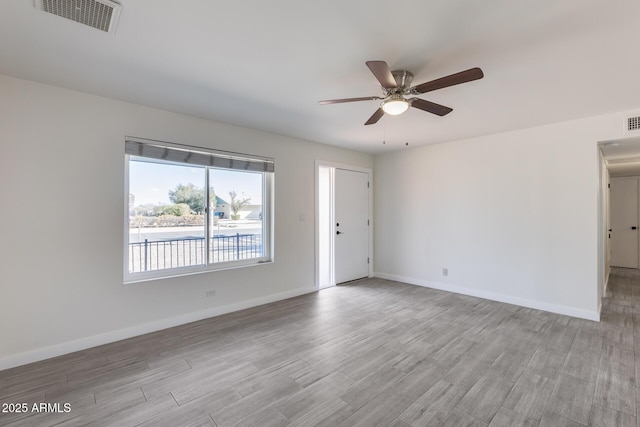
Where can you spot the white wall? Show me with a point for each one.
(61, 153)
(513, 216)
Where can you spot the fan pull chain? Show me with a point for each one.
(384, 135)
(406, 134)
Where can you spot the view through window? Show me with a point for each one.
(185, 217)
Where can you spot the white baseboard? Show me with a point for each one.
(36, 355)
(524, 302)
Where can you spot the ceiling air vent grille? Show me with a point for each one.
(101, 15)
(633, 124)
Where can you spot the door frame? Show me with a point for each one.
(334, 165)
(604, 249)
(603, 213)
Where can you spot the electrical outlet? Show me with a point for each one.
(445, 271)
(210, 293)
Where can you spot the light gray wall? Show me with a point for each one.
(62, 153)
(513, 216)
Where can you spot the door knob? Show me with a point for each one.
(634, 228)
(339, 232)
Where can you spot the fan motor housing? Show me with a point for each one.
(403, 80)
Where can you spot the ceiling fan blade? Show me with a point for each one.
(452, 80)
(381, 70)
(338, 101)
(376, 116)
(430, 107)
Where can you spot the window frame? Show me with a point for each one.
(208, 266)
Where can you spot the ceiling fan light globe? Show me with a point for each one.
(395, 107)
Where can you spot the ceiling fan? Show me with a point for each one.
(397, 84)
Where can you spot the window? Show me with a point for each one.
(192, 210)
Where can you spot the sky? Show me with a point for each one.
(150, 182)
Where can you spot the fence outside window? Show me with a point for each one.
(173, 253)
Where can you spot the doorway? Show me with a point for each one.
(343, 224)
(619, 159)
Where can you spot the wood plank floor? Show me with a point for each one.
(371, 353)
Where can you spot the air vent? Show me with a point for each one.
(102, 15)
(633, 124)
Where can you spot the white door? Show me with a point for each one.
(624, 222)
(351, 225)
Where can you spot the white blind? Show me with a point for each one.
(196, 156)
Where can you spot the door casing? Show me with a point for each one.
(318, 165)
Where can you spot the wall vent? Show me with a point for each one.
(102, 15)
(633, 124)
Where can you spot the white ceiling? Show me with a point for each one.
(265, 64)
